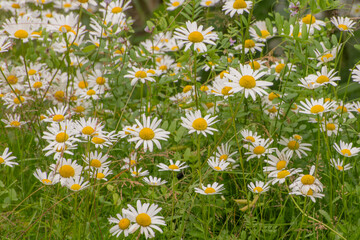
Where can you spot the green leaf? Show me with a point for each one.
(269, 26)
(325, 215)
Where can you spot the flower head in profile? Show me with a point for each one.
(176, 167)
(308, 181)
(317, 107)
(236, 6)
(45, 178)
(6, 158)
(174, 4)
(196, 123)
(339, 165)
(154, 181)
(76, 183)
(210, 189)
(344, 24)
(306, 192)
(346, 149)
(259, 187)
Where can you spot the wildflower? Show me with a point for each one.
(4, 44)
(259, 187)
(324, 77)
(303, 191)
(346, 149)
(264, 32)
(221, 88)
(295, 145)
(66, 168)
(96, 160)
(140, 74)
(339, 165)
(138, 173)
(47, 179)
(308, 181)
(236, 6)
(208, 3)
(195, 123)
(76, 183)
(130, 161)
(175, 167)
(280, 68)
(344, 24)
(210, 189)
(116, 7)
(250, 45)
(148, 133)
(279, 176)
(217, 164)
(154, 181)
(57, 114)
(318, 107)
(278, 162)
(88, 128)
(223, 153)
(174, 4)
(312, 23)
(101, 173)
(20, 28)
(145, 217)
(13, 121)
(122, 224)
(249, 136)
(6, 158)
(258, 149)
(331, 127)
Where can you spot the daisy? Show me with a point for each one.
(174, 4)
(148, 133)
(139, 74)
(257, 65)
(66, 168)
(331, 127)
(355, 107)
(344, 24)
(4, 44)
(96, 160)
(122, 224)
(326, 55)
(47, 179)
(19, 29)
(223, 153)
(218, 165)
(6, 158)
(315, 106)
(308, 181)
(154, 181)
(196, 123)
(279, 176)
(65, 24)
(346, 149)
(208, 3)
(91, 93)
(258, 149)
(246, 81)
(295, 145)
(324, 77)
(303, 191)
(280, 68)
(340, 108)
(175, 167)
(138, 173)
(14, 101)
(264, 32)
(76, 183)
(278, 162)
(57, 114)
(101, 173)
(221, 88)
(339, 165)
(308, 83)
(61, 134)
(312, 23)
(273, 110)
(249, 136)
(165, 64)
(355, 74)
(103, 140)
(130, 161)
(236, 6)
(13, 121)
(89, 128)
(250, 45)
(259, 187)
(194, 35)
(210, 189)
(145, 217)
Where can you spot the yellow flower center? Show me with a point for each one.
(15, 123)
(116, 10)
(223, 157)
(100, 80)
(83, 84)
(67, 5)
(175, 4)
(75, 187)
(46, 181)
(283, 174)
(258, 189)
(15, 5)
(247, 81)
(326, 57)
(272, 110)
(317, 109)
(88, 130)
(309, 19)
(79, 109)
(37, 85)
(98, 140)
(273, 95)
(32, 72)
(225, 91)
(209, 190)
(346, 152)
(330, 126)
(209, 105)
(204, 88)
(340, 167)
(140, 74)
(208, 3)
(132, 162)
(322, 79)
(343, 27)
(59, 95)
(12, 79)
(18, 101)
(173, 167)
(199, 124)
(249, 43)
(143, 219)
(222, 74)
(297, 137)
(196, 37)
(49, 15)
(254, 65)
(279, 67)
(310, 192)
(307, 179)
(146, 134)
(90, 92)
(217, 168)
(281, 164)
(259, 150)
(293, 145)
(61, 137)
(342, 109)
(239, 4)
(1, 160)
(58, 118)
(124, 223)
(250, 138)
(67, 171)
(64, 28)
(100, 175)
(187, 88)
(95, 163)
(264, 33)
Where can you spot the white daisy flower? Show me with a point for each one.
(174, 4)
(346, 149)
(175, 167)
(339, 165)
(308, 181)
(140, 74)
(130, 161)
(308, 83)
(281, 68)
(303, 191)
(76, 183)
(66, 168)
(246, 81)
(312, 23)
(122, 225)
(331, 127)
(148, 133)
(194, 35)
(340, 108)
(324, 77)
(6, 158)
(258, 149)
(294, 145)
(236, 6)
(96, 160)
(258, 65)
(250, 45)
(101, 173)
(210, 189)
(249, 136)
(221, 88)
(355, 74)
(47, 179)
(145, 217)
(326, 55)
(223, 153)
(57, 114)
(218, 165)
(313, 106)
(279, 176)
(344, 24)
(20, 28)
(355, 107)
(89, 128)
(264, 32)
(278, 162)
(208, 3)
(4, 44)
(259, 187)
(60, 135)
(196, 123)
(13, 121)
(154, 181)
(138, 173)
